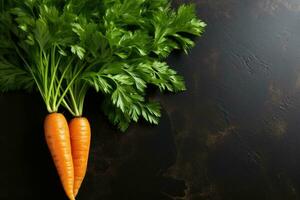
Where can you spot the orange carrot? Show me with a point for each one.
(58, 140)
(80, 132)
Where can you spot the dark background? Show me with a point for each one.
(233, 135)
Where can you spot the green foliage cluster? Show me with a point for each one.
(64, 47)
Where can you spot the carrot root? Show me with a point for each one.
(58, 140)
(80, 133)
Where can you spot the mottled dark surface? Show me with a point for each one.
(234, 135)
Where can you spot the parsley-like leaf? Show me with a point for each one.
(118, 47)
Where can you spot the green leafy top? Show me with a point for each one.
(117, 47)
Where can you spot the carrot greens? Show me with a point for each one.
(117, 47)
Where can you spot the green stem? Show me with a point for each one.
(81, 95)
(77, 99)
(53, 77)
(31, 72)
(65, 104)
(45, 72)
(41, 68)
(69, 86)
(59, 84)
(21, 56)
(74, 102)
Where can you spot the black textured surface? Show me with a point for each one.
(234, 135)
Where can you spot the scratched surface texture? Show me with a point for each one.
(233, 135)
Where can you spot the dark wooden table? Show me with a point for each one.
(234, 135)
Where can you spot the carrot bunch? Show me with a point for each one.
(61, 49)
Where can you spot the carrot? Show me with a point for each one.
(80, 132)
(58, 140)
